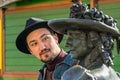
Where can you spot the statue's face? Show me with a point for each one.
(77, 43)
(82, 43)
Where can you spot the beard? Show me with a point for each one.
(46, 58)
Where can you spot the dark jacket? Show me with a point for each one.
(59, 68)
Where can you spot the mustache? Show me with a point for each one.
(44, 50)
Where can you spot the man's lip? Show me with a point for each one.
(44, 52)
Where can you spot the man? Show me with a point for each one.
(42, 42)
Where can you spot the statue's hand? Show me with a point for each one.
(77, 72)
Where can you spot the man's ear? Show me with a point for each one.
(56, 37)
(29, 49)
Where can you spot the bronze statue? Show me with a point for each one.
(91, 36)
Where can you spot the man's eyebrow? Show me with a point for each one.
(43, 35)
(40, 37)
(31, 41)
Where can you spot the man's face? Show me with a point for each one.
(43, 44)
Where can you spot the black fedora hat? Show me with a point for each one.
(31, 24)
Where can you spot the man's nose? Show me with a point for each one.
(41, 46)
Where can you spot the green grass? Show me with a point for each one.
(17, 61)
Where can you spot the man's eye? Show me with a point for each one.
(33, 44)
(46, 38)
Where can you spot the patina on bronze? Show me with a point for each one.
(91, 36)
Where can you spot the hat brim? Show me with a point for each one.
(62, 25)
(21, 39)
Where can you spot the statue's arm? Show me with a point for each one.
(77, 72)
